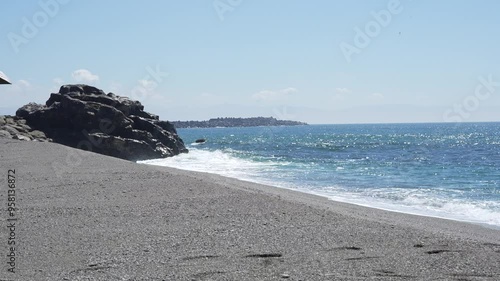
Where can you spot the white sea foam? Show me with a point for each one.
(217, 162)
(414, 201)
(425, 202)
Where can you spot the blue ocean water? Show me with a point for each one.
(442, 170)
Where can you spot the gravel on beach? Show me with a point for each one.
(85, 216)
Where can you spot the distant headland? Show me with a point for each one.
(236, 122)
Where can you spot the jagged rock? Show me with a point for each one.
(80, 88)
(21, 127)
(38, 134)
(16, 128)
(165, 125)
(85, 117)
(5, 134)
(13, 131)
(22, 137)
(128, 148)
(28, 109)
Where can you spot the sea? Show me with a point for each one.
(449, 170)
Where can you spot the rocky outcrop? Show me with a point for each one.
(13, 127)
(85, 117)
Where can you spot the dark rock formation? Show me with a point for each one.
(236, 122)
(13, 127)
(85, 117)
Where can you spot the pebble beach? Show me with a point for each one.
(85, 216)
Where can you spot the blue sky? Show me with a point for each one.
(421, 61)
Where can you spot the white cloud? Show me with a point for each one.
(20, 86)
(377, 96)
(264, 95)
(22, 89)
(289, 90)
(83, 75)
(145, 91)
(148, 84)
(340, 94)
(270, 96)
(342, 90)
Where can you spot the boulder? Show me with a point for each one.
(9, 128)
(14, 127)
(85, 117)
(5, 134)
(38, 134)
(28, 109)
(22, 137)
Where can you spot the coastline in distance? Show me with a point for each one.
(236, 122)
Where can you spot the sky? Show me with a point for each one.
(322, 62)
